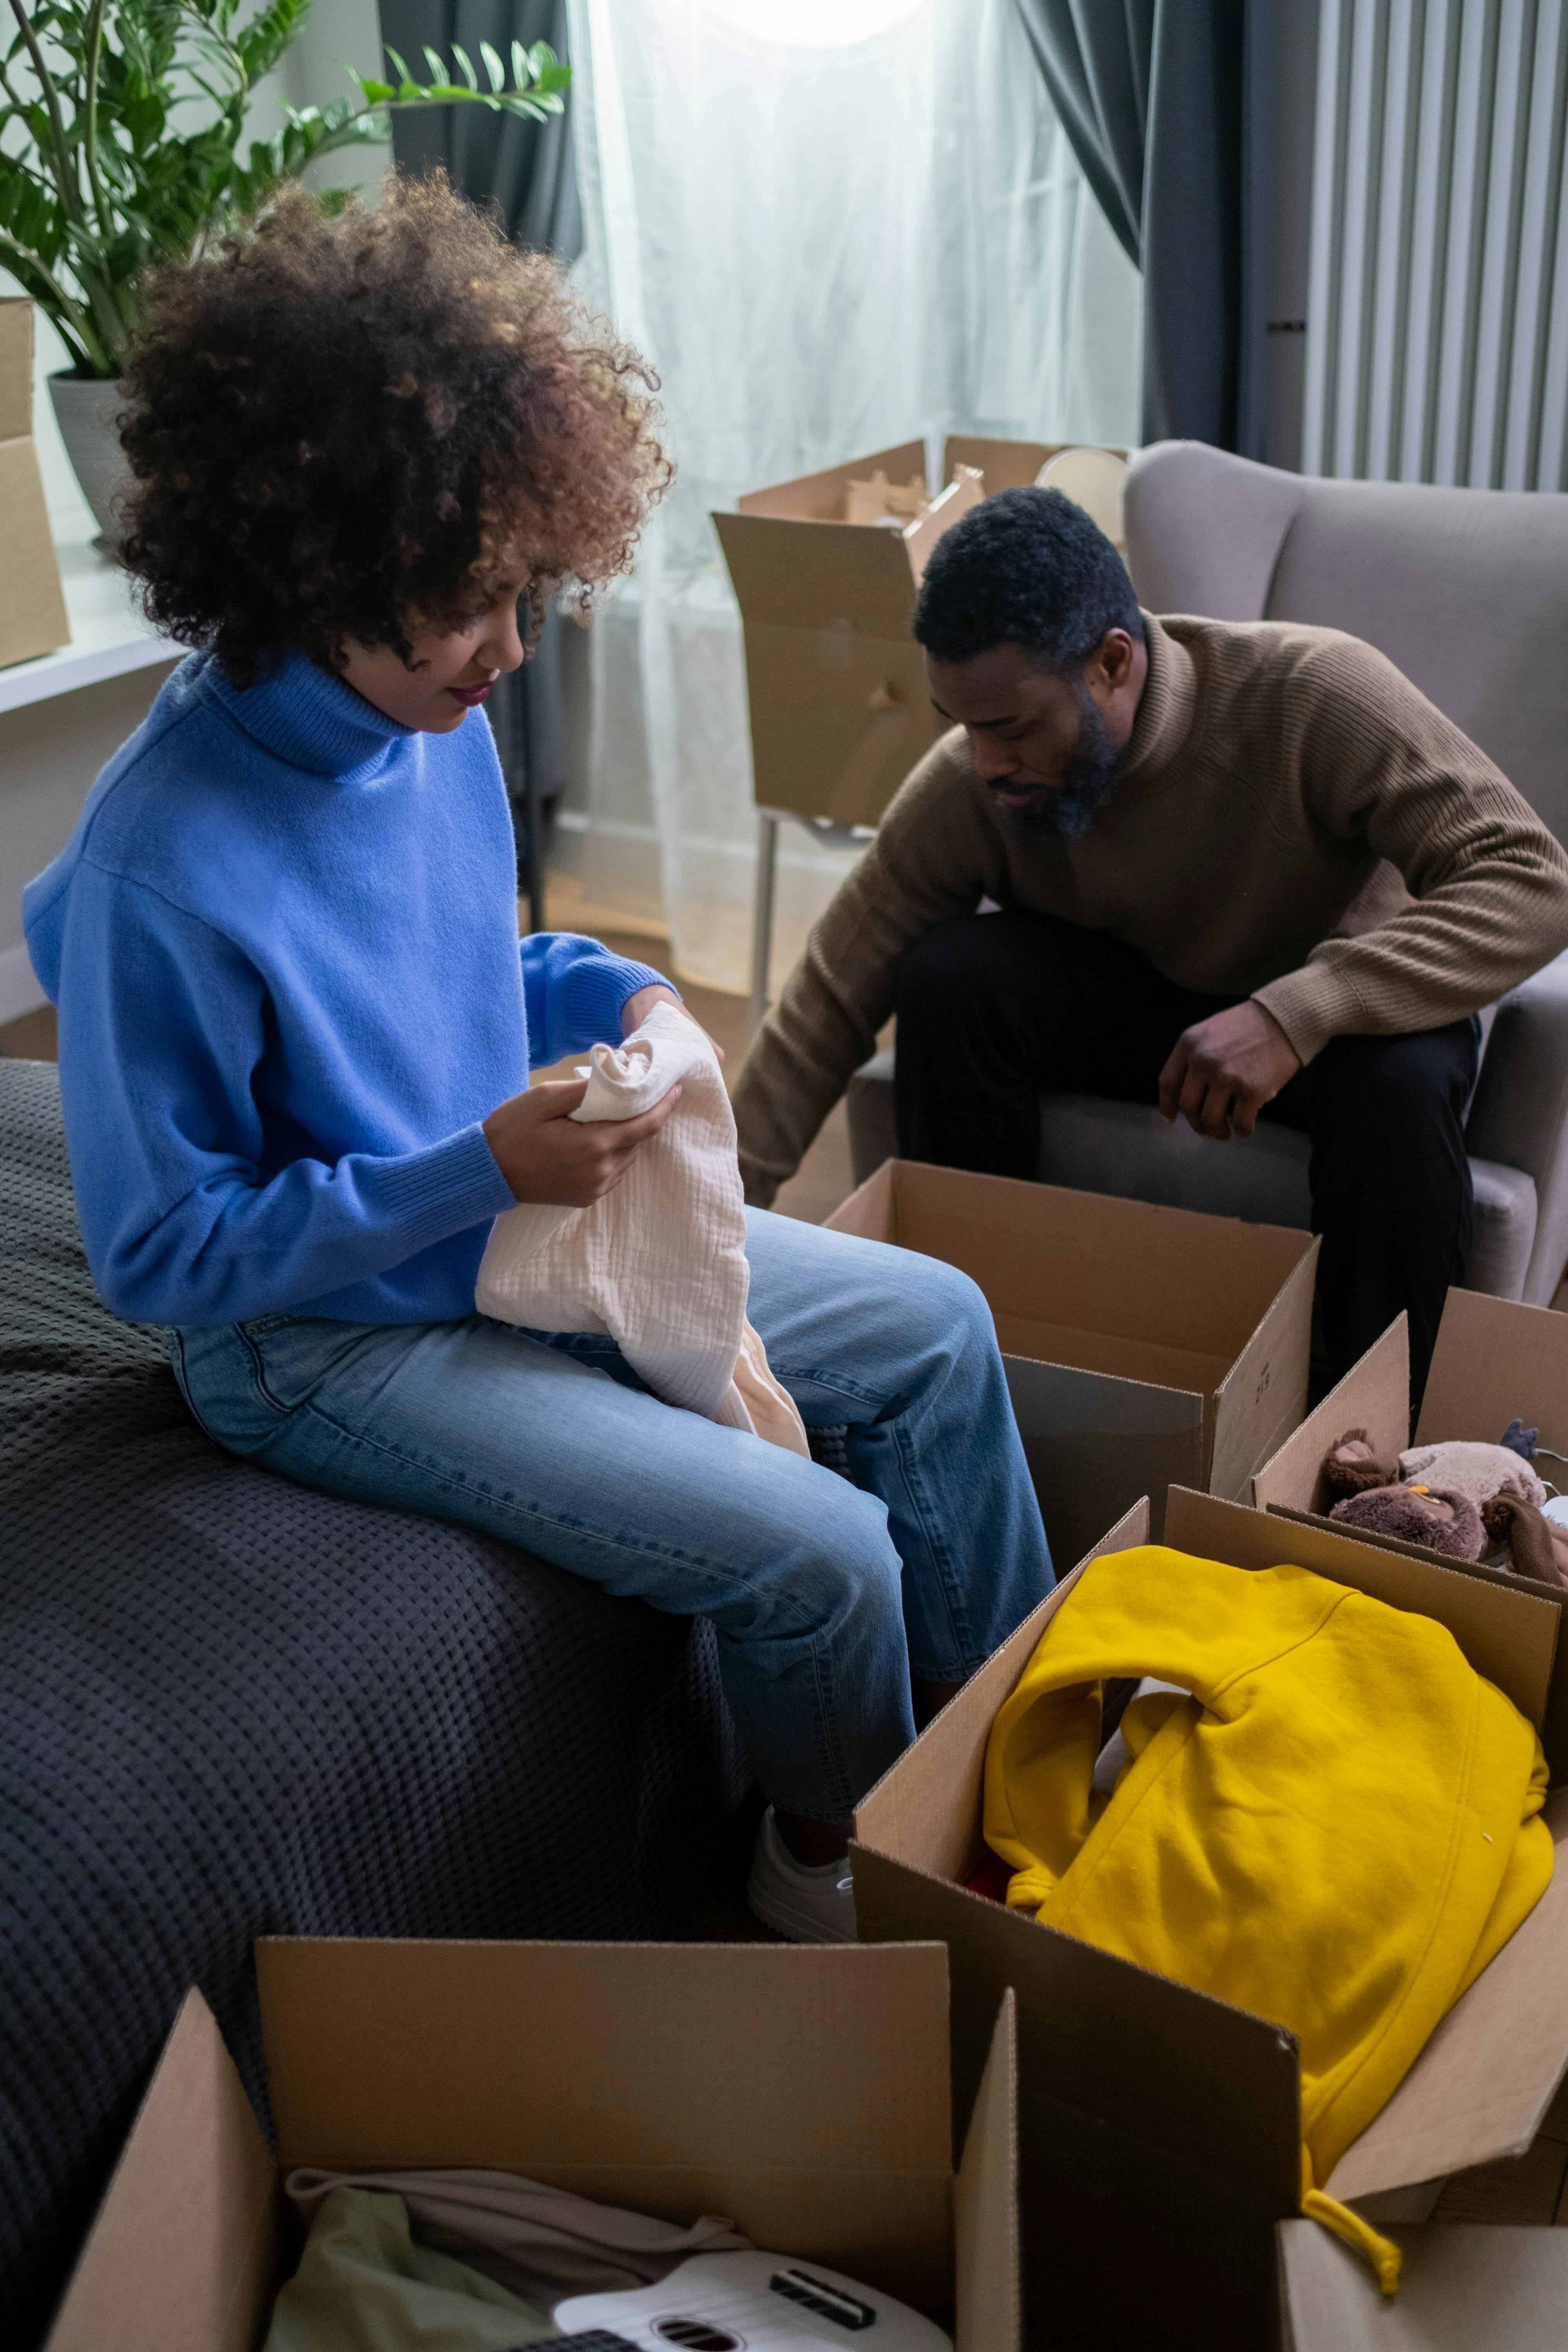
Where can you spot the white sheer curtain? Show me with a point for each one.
(833, 225)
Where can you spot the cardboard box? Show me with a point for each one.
(803, 2093)
(1146, 1347)
(1461, 2286)
(838, 703)
(1007, 464)
(32, 601)
(1494, 1359)
(1159, 2129)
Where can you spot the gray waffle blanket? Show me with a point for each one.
(230, 1707)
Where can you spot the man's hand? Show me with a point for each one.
(636, 1009)
(1224, 1069)
(547, 1157)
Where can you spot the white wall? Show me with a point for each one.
(338, 34)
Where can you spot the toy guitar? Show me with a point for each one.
(745, 2303)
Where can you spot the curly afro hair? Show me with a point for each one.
(361, 425)
(1024, 568)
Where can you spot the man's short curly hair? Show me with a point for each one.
(1024, 568)
(355, 426)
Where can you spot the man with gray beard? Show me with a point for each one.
(1233, 869)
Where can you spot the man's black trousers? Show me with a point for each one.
(995, 1009)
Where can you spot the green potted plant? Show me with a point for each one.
(121, 124)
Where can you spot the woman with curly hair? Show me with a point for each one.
(295, 1019)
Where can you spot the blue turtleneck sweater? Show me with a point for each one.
(283, 943)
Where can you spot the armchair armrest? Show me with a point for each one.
(1519, 1114)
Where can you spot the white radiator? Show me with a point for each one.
(1437, 319)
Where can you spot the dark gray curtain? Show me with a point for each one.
(526, 169)
(1151, 96)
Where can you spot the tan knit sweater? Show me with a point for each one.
(1280, 782)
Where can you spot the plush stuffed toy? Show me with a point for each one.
(1350, 1466)
(1536, 1545)
(1442, 1518)
(1478, 1471)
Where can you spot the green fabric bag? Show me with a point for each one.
(363, 2285)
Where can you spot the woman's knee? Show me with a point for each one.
(944, 1312)
(832, 1574)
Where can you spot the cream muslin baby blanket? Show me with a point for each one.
(659, 1264)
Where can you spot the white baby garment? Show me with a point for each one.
(659, 1264)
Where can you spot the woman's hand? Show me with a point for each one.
(547, 1157)
(636, 1009)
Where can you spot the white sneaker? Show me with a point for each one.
(810, 1905)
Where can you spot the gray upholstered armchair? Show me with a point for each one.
(1468, 592)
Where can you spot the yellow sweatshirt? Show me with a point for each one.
(1337, 1831)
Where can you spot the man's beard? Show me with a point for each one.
(1066, 811)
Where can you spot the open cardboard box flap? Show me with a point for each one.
(819, 497)
(1006, 465)
(1214, 2092)
(818, 578)
(1497, 1357)
(1462, 2285)
(1494, 1359)
(183, 2255)
(1374, 1395)
(837, 693)
(803, 2093)
(834, 683)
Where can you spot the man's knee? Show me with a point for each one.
(947, 972)
(1403, 1088)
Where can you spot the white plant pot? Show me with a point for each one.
(85, 410)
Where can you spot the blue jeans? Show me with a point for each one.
(827, 1596)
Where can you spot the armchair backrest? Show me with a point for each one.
(1466, 590)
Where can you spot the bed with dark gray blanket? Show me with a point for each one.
(230, 1707)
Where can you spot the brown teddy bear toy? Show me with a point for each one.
(1351, 1466)
(1448, 1522)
